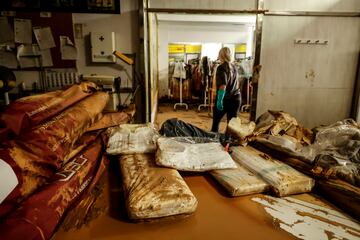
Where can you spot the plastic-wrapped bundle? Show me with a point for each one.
(278, 123)
(36, 155)
(38, 216)
(132, 139)
(152, 191)
(239, 129)
(336, 150)
(240, 181)
(28, 112)
(340, 140)
(283, 179)
(192, 154)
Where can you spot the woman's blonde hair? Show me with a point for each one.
(225, 55)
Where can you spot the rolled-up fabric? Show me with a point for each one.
(36, 155)
(38, 216)
(28, 112)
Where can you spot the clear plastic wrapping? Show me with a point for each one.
(341, 140)
(283, 179)
(132, 139)
(192, 154)
(240, 181)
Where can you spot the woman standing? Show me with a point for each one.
(228, 96)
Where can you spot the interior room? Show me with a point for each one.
(188, 41)
(164, 119)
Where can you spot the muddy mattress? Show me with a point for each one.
(154, 192)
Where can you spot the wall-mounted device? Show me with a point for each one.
(102, 47)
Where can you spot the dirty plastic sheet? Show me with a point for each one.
(340, 140)
(284, 180)
(337, 147)
(132, 139)
(278, 123)
(240, 181)
(152, 191)
(188, 155)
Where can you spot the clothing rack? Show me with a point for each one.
(205, 72)
(206, 95)
(248, 97)
(181, 103)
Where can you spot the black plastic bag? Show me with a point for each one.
(178, 128)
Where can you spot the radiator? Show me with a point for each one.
(59, 78)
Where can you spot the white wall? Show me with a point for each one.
(172, 32)
(126, 28)
(313, 83)
(313, 5)
(204, 4)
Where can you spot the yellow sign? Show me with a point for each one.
(193, 48)
(176, 48)
(240, 48)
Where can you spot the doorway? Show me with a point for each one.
(186, 40)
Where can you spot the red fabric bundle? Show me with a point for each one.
(36, 155)
(28, 112)
(38, 216)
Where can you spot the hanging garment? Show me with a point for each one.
(176, 88)
(196, 81)
(247, 65)
(179, 70)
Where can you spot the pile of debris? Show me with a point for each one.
(329, 154)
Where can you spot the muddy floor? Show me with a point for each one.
(202, 119)
(218, 216)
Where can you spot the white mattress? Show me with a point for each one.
(183, 154)
(132, 139)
